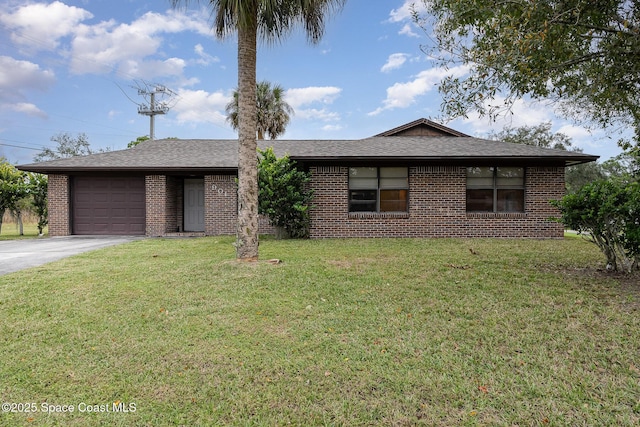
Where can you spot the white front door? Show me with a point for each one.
(194, 205)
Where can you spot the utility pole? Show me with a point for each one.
(154, 106)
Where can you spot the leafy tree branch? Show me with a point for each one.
(583, 55)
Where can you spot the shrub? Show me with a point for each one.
(607, 212)
(283, 195)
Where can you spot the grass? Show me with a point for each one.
(10, 231)
(342, 332)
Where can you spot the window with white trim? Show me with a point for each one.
(495, 189)
(378, 189)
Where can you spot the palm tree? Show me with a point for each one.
(273, 111)
(272, 19)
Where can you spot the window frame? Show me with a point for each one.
(495, 188)
(380, 187)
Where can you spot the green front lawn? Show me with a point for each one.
(10, 231)
(342, 332)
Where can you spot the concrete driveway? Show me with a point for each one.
(18, 255)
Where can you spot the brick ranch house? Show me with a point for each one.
(421, 179)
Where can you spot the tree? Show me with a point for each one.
(38, 188)
(542, 136)
(273, 111)
(578, 176)
(271, 19)
(138, 141)
(12, 189)
(538, 136)
(284, 197)
(582, 54)
(68, 146)
(624, 165)
(607, 213)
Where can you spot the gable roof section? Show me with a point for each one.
(422, 127)
(200, 156)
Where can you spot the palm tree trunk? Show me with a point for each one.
(247, 232)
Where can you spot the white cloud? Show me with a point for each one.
(205, 58)
(106, 46)
(322, 114)
(332, 128)
(586, 139)
(16, 79)
(28, 109)
(199, 106)
(404, 12)
(407, 30)
(110, 46)
(395, 61)
(575, 132)
(17, 75)
(40, 26)
(308, 95)
(403, 95)
(153, 68)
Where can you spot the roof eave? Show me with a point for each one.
(133, 170)
(452, 159)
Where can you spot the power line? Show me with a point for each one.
(21, 146)
(154, 106)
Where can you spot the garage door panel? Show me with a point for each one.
(109, 205)
(84, 197)
(137, 213)
(100, 213)
(119, 212)
(98, 185)
(137, 198)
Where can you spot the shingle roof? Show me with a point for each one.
(194, 155)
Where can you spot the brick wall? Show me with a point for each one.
(164, 201)
(179, 202)
(437, 207)
(174, 188)
(220, 205)
(156, 204)
(59, 205)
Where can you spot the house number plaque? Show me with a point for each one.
(219, 190)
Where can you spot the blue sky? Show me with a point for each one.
(74, 66)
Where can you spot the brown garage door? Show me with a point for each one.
(108, 205)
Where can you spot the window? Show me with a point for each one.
(378, 189)
(495, 189)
